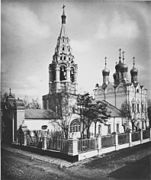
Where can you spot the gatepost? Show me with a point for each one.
(24, 129)
(141, 136)
(99, 144)
(130, 138)
(44, 144)
(75, 147)
(116, 141)
(25, 138)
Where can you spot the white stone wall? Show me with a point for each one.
(36, 124)
(20, 117)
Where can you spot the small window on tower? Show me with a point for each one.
(64, 57)
(63, 48)
(72, 74)
(62, 73)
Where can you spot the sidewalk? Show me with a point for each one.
(55, 161)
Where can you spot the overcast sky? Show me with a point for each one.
(96, 29)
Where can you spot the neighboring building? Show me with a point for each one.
(36, 118)
(12, 117)
(121, 91)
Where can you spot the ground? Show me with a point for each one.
(130, 164)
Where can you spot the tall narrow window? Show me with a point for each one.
(99, 129)
(138, 108)
(133, 107)
(142, 107)
(109, 129)
(117, 128)
(72, 74)
(63, 73)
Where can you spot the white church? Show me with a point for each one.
(61, 101)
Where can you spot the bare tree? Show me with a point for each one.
(33, 104)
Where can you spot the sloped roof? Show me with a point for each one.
(40, 114)
(115, 112)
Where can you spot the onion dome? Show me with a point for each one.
(105, 71)
(10, 96)
(134, 70)
(121, 66)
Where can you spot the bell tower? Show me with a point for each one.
(63, 70)
(62, 75)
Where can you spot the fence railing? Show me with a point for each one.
(87, 144)
(123, 138)
(146, 133)
(34, 141)
(136, 136)
(108, 141)
(58, 144)
(75, 146)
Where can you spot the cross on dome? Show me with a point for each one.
(105, 61)
(133, 61)
(10, 91)
(123, 52)
(120, 54)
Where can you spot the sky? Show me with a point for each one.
(96, 29)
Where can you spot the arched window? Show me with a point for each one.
(75, 126)
(72, 74)
(53, 75)
(63, 73)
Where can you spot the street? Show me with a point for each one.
(130, 164)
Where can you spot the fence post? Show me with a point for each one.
(99, 144)
(141, 136)
(45, 142)
(75, 146)
(116, 141)
(130, 138)
(25, 138)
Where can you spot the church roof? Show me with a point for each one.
(40, 114)
(115, 112)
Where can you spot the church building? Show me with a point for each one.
(123, 92)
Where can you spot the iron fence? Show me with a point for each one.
(123, 138)
(34, 141)
(61, 145)
(146, 134)
(108, 141)
(136, 136)
(87, 145)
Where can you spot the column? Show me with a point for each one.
(75, 79)
(57, 78)
(50, 79)
(68, 74)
